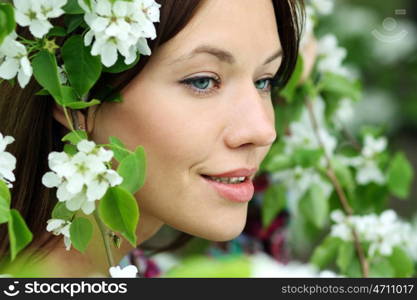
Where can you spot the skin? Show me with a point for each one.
(186, 133)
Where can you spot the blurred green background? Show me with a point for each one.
(381, 39)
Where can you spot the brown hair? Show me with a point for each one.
(28, 118)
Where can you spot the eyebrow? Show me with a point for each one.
(221, 54)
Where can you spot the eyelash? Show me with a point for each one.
(202, 92)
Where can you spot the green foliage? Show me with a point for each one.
(81, 231)
(273, 203)
(45, 70)
(5, 199)
(307, 158)
(7, 21)
(82, 68)
(74, 137)
(288, 92)
(400, 176)
(315, 206)
(201, 266)
(118, 148)
(72, 8)
(61, 211)
(337, 86)
(119, 211)
(133, 170)
(326, 252)
(401, 263)
(19, 234)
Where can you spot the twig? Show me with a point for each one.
(339, 190)
(104, 235)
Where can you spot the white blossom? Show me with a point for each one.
(383, 232)
(331, 56)
(344, 112)
(323, 7)
(302, 132)
(120, 27)
(35, 14)
(297, 182)
(14, 61)
(367, 169)
(7, 161)
(129, 271)
(59, 226)
(263, 265)
(83, 178)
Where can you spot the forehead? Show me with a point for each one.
(245, 29)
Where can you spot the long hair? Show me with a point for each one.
(28, 117)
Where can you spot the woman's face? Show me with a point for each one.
(191, 127)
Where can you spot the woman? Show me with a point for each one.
(200, 106)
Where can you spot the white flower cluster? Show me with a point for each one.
(264, 266)
(297, 182)
(7, 161)
(58, 226)
(383, 232)
(120, 26)
(366, 166)
(14, 61)
(129, 271)
(35, 14)
(302, 132)
(83, 178)
(331, 56)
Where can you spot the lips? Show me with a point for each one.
(235, 192)
(243, 172)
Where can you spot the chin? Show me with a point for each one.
(219, 232)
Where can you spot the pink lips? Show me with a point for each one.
(236, 192)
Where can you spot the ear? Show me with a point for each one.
(59, 115)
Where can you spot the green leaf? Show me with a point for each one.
(288, 92)
(400, 176)
(307, 158)
(119, 211)
(61, 211)
(340, 86)
(315, 206)
(72, 22)
(345, 256)
(81, 104)
(401, 263)
(381, 267)
(4, 202)
(7, 21)
(81, 231)
(73, 8)
(68, 95)
(19, 234)
(42, 92)
(133, 170)
(45, 71)
(326, 252)
(74, 137)
(57, 31)
(118, 148)
(120, 66)
(70, 149)
(209, 267)
(273, 203)
(83, 69)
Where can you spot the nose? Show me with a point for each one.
(252, 120)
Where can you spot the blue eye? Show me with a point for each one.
(202, 85)
(264, 84)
